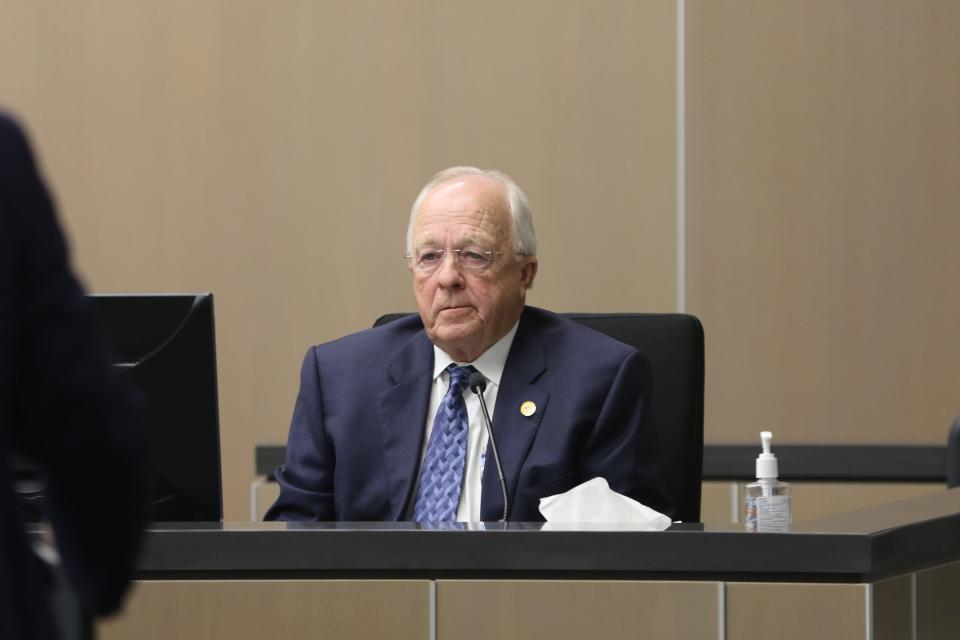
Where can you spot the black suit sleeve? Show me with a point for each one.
(68, 409)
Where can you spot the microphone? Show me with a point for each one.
(478, 384)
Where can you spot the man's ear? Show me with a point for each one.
(528, 271)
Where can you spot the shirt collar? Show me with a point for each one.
(490, 363)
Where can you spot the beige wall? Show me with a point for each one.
(269, 152)
(823, 214)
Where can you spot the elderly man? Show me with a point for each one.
(385, 427)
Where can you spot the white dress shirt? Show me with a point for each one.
(490, 364)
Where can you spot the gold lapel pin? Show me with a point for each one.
(528, 408)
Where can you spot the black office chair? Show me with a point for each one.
(673, 345)
(953, 455)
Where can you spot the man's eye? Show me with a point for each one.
(429, 256)
(474, 258)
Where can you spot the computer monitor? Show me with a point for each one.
(165, 345)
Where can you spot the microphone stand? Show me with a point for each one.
(478, 384)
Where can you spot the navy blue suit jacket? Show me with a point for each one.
(354, 447)
(61, 405)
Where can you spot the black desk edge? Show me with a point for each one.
(861, 546)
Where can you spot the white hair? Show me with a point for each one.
(524, 238)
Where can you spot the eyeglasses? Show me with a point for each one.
(473, 257)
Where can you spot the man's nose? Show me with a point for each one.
(450, 273)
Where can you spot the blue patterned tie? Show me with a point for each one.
(441, 474)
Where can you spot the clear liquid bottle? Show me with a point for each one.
(766, 503)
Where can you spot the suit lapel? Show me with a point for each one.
(513, 431)
(403, 412)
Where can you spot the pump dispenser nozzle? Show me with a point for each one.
(766, 461)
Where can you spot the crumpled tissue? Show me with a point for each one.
(595, 501)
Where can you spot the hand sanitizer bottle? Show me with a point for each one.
(767, 501)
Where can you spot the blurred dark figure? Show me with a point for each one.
(63, 407)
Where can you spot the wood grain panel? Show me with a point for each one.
(582, 609)
(256, 609)
(796, 611)
(892, 609)
(937, 591)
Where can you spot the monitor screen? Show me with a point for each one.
(165, 345)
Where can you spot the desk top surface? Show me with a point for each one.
(860, 546)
